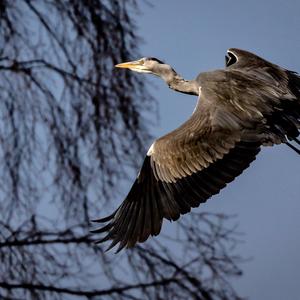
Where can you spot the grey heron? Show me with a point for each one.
(249, 104)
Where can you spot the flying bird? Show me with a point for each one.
(248, 104)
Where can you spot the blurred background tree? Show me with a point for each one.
(72, 132)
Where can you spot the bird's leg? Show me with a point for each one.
(293, 147)
(297, 141)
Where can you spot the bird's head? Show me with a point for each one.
(145, 65)
(152, 65)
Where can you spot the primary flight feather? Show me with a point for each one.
(249, 104)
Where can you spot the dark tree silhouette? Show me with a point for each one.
(72, 130)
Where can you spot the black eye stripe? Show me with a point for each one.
(155, 59)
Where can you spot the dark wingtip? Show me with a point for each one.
(106, 238)
(121, 246)
(105, 219)
(112, 244)
(102, 229)
(106, 228)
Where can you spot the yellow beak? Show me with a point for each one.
(137, 66)
(129, 65)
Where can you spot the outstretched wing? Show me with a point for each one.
(182, 170)
(257, 86)
(249, 103)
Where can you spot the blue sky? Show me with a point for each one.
(193, 36)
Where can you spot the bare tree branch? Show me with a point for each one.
(87, 294)
(73, 130)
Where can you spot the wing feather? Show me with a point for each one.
(250, 103)
(142, 213)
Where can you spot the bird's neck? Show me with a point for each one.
(179, 84)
